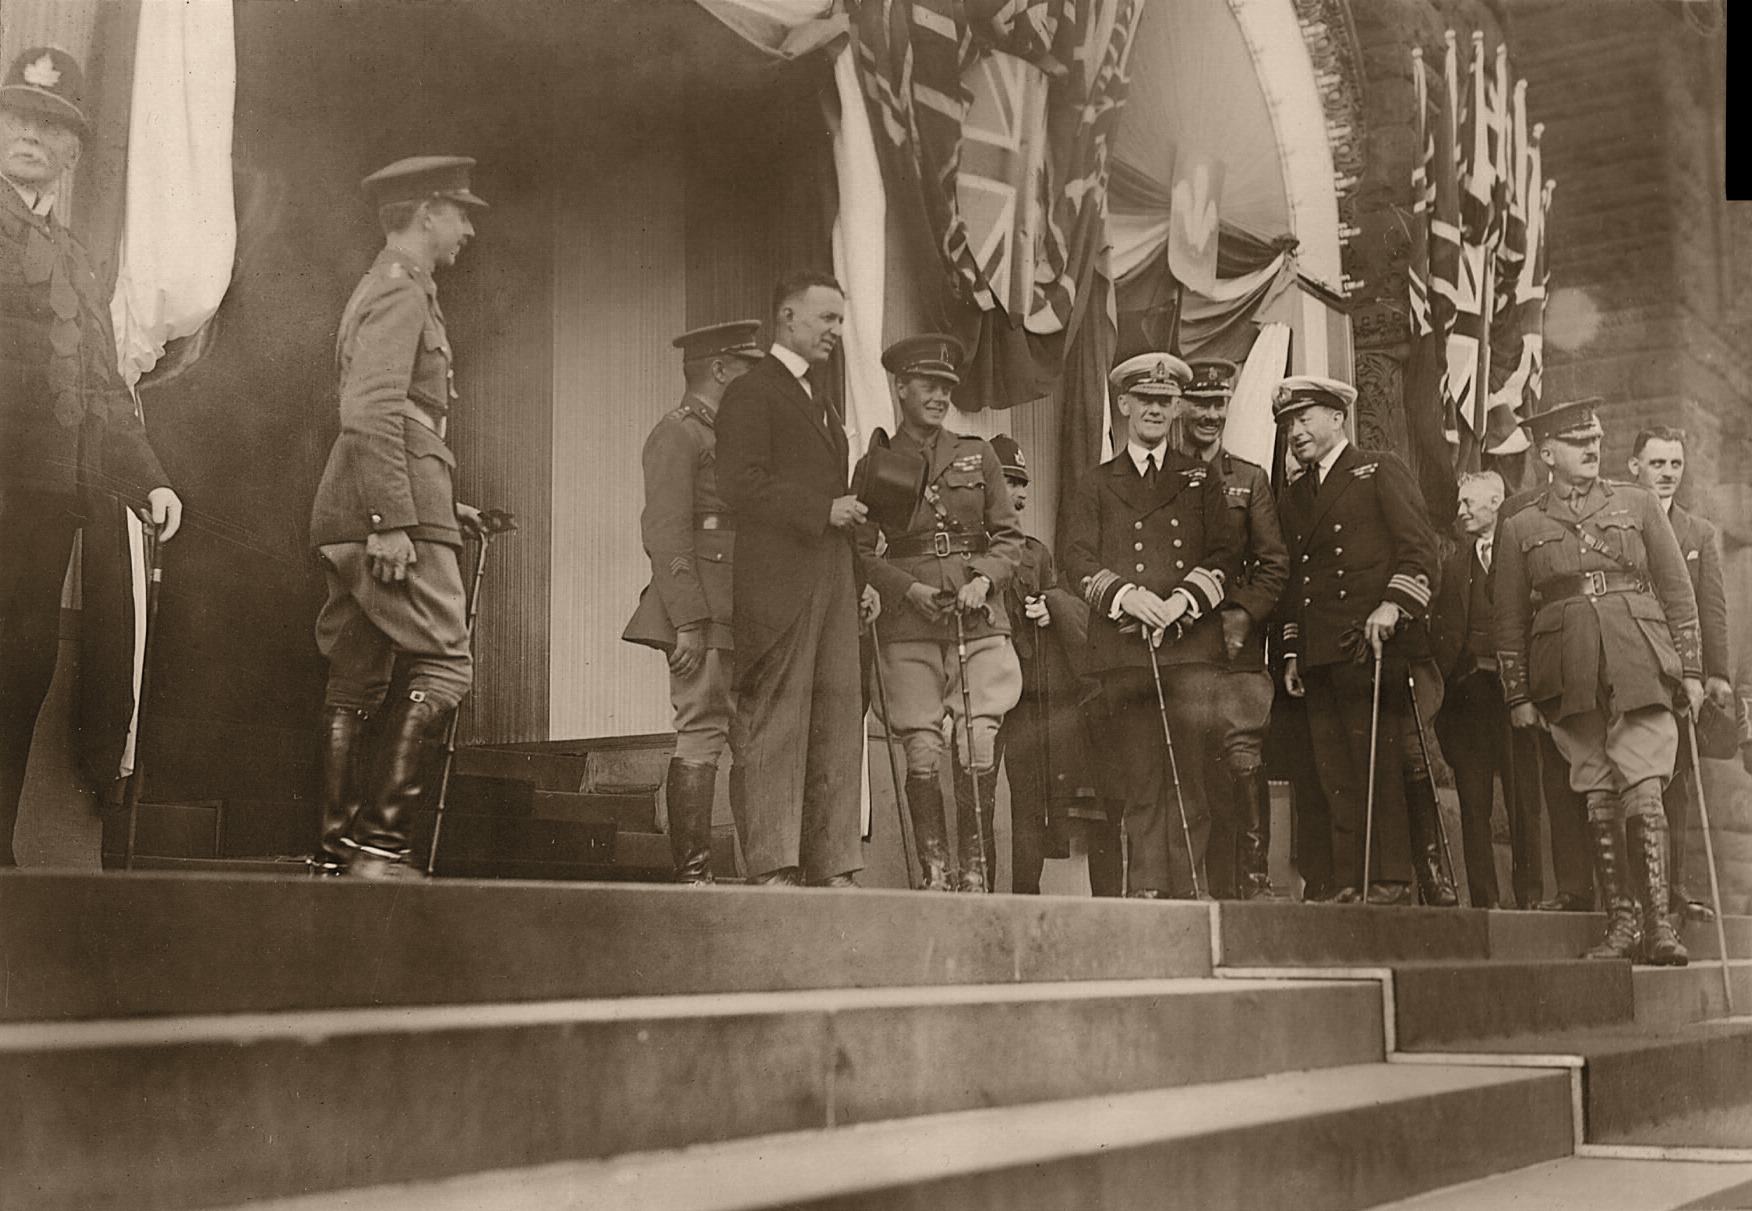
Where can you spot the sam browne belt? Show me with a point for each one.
(941, 544)
(1591, 585)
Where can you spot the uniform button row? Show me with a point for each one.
(1137, 546)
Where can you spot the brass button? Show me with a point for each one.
(1340, 572)
(1173, 521)
(1140, 567)
(1177, 542)
(1341, 593)
(1337, 526)
(1338, 550)
(1137, 546)
(1137, 525)
(1179, 564)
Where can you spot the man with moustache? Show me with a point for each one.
(1240, 849)
(689, 536)
(388, 527)
(1363, 563)
(1149, 542)
(956, 555)
(1596, 631)
(798, 594)
(1657, 463)
(70, 436)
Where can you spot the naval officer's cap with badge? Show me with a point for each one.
(1150, 376)
(734, 338)
(1303, 391)
(928, 355)
(421, 178)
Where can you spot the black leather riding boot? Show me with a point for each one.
(1646, 836)
(383, 831)
(344, 749)
(1433, 883)
(688, 790)
(979, 867)
(1251, 794)
(1622, 934)
(924, 802)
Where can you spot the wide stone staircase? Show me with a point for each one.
(201, 1041)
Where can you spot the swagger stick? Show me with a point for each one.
(1369, 794)
(1173, 765)
(902, 808)
(1423, 742)
(967, 732)
(1715, 888)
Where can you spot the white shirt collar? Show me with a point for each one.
(796, 364)
(1667, 505)
(36, 201)
(1140, 453)
(1324, 466)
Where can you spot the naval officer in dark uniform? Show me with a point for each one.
(1239, 856)
(1149, 541)
(69, 432)
(387, 525)
(1596, 631)
(955, 556)
(689, 535)
(1363, 564)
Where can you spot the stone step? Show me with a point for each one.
(630, 812)
(1564, 935)
(254, 1105)
(1591, 1184)
(1445, 1003)
(1677, 996)
(630, 765)
(1334, 1139)
(1285, 934)
(107, 946)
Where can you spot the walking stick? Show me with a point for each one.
(1369, 795)
(967, 731)
(901, 807)
(1173, 765)
(1043, 707)
(154, 555)
(1715, 887)
(493, 521)
(1429, 774)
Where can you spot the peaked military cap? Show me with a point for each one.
(1293, 394)
(1212, 376)
(735, 338)
(46, 81)
(931, 355)
(1009, 453)
(420, 177)
(1160, 374)
(1575, 419)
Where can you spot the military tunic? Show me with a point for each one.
(390, 469)
(967, 504)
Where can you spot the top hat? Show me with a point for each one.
(1212, 376)
(890, 483)
(1577, 419)
(1302, 391)
(420, 177)
(1010, 458)
(46, 81)
(930, 355)
(733, 339)
(1158, 374)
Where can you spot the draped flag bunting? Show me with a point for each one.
(1430, 275)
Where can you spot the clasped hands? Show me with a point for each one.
(1156, 614)
(937, 604)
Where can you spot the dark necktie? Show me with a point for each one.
(1150, 470)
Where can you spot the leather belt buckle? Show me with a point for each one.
(940, 544)
(1594, 584)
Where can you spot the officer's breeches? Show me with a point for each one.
(1244, 710)
(704, 704)
(365, 624)
(1608, 752)
(924, 683)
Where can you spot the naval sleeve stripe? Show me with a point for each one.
(1412, 588)
(1205, 587)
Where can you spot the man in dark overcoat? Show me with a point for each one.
(782, 468)
(70, 436)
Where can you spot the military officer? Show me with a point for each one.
(1238, 858)
(1596, 630)
(69, 432)
(1149, 541)
(955, 557)
(689, 536)
(388, 527)
(1657, 463)
(1363, 562)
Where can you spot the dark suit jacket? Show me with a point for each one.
(1702, 547)
(781, 463)
(1451, 614)
(1356, 540)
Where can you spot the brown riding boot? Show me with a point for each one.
(382, 834)
(344, 751)
(1622, 934)
(1252, 798)
(924, 803)
(979, 865)
(688, 790)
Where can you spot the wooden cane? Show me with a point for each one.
(154, 554)
(914, 879)
(1369, 794)
(1715, 888)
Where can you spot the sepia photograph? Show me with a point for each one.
(874, 605)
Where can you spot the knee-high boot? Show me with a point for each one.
(688, 790)
(344, 748)
(382, 833)
(1647, 836)
(979, 865)
(1622, 934)
(1251, 794)
(1433, 883)
(924, 803)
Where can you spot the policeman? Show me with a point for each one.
(1596, 630)
(1363, 561)
(1149, 541)
(956, 555)
(689, 536)
(388, 527)
(1657, 463)
(1240, 849)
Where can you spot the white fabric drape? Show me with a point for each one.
(784, 28)
(1249, 430)
(860, 257)
(180, 231)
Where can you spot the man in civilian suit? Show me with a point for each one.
(1658, 463)
(782, 468)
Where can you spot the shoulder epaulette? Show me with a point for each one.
(1520, 501)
